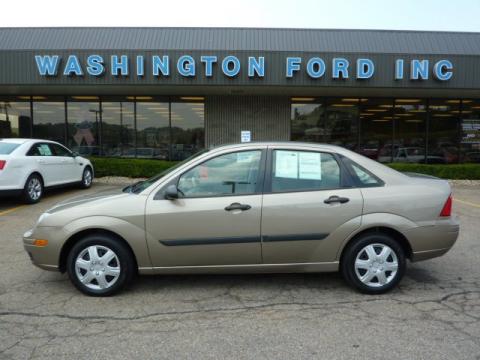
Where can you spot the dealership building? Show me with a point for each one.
(166, 93)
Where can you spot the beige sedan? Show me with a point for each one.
(257, 207)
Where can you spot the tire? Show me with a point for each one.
(101, 276)
(373, 274)
(87, 178)
(33, 190)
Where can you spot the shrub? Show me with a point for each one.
(133, 168)
(451, 171)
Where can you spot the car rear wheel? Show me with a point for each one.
(33, 190)
(87, 178)
(100, 265)
(374, 263)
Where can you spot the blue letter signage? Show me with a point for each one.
(313, 68)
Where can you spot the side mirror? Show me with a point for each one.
(75, 154)
(171, 192)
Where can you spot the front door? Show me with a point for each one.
(68, 169)
(216, 220)
(307, 209)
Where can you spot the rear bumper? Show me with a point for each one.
(434, 240)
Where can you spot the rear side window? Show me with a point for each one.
(7, 148)
(40, 150)
(304, 171)
(362, 177)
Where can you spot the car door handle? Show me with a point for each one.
(336, 199)
(238, 206)
(43, 162)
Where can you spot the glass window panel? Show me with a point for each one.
(304, 171)
(341, 124)
(307, 122)
(153, 131)
(376, 129)
(470, 131)
(118, 129)
(15, 119)
(410, 121)
(49, 121)
(443, 131)
(83, 126)
(188, 129)
(234, 173)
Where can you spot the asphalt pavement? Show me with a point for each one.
(434, 313)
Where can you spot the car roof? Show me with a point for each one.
(280, 143)
(24, 140)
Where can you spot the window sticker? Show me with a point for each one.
(310, 166)
(286, 164)
(44, 150)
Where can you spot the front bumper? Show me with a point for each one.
(44, 257)
(433, 240)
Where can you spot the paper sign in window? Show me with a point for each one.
(44, 150)
(309, 166)
(286, 164)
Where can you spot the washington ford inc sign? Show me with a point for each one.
(230, 66)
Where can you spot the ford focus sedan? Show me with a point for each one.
(252, 208)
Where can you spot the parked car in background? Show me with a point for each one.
(411, 155)
(28, 166)
(254, 207)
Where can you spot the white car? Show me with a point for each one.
(28, 166)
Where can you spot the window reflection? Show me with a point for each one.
(470, 131)
(118, 129)
(83, 127)
(49, 120)
(307, 122)
(376, 126)
(188, 129)
(410, 121)
(341, 124)
(15, 120)
(443, 131)
(153, 130)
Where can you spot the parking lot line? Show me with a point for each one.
(8, 211)
(467, 203)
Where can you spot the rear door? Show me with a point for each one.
(216, 221)
(48, 164)
(309, 206)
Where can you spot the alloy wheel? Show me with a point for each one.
(87, 177)
(34, 188)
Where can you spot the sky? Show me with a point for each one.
(453, 15)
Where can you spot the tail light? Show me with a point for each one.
(2, 164)
(447, 208)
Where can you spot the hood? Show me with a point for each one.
(89, 200)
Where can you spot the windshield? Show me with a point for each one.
(6, 148)
(142, 185)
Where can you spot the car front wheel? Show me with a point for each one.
(100, 265)
(374, 263)
(87, 178)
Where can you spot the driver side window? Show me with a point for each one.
(229, 174)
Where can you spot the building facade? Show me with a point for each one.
(166, 93)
